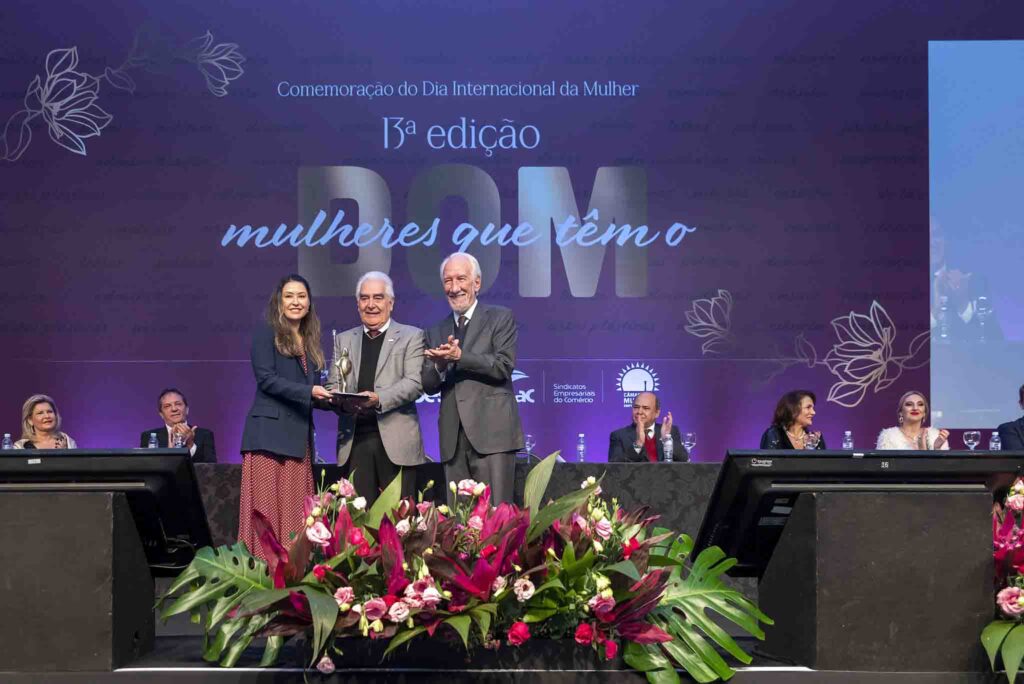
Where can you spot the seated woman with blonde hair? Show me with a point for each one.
(40, 425)
(911, 433)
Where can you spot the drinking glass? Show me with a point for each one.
(689, 441)
(530, 443)
(984, 310)
(972, 438)
(811, 440)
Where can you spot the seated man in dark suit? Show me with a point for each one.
(173, 408)
(644, 440)
(1012, 434)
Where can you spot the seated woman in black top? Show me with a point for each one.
(793, 416)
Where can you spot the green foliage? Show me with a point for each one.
(1005, 639)
(537, 483)
(683, 613)
(385, 503)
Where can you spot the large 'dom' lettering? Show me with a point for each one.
(546, 199)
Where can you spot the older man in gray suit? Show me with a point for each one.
(470, 356)
(384, 435)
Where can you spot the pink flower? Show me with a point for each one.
(399, 612)
(344, 595)
(466, 487)
(320, 571)
(475, 522)
(1009, 602)
(355, 537)
(318, 534)
(402, 527)
(518, 634)
(498, 584)
(523, 589)
(611, 649)
(629, 547)
(601, 605)
(584, 634)
(580, 522)
(326, 665)
(1015, 502)
(375, 609)
(346, 488)
(603, 528)
(423, 507)
(431, 597)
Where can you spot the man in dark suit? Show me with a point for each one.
(1012, 434)
(470, 356)
(643, 441)
(173, 408)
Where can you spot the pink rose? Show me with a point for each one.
(344, 595)
(402, 527)
(580, 522)
(318, 534)
(320, 571)
(346, 488)
(498, 584)
(475, 522)
(431, 597)
(423, 507)
(603, 528)
(355, 537)
(584, 634)
(523, 589)
(399, 612)
(326, 665)
(1008, 601)
(1015, 502)
(601, 605)
(611, 649)
(375, 609)
(466, 487)
(518, 634)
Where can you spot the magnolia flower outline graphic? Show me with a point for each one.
(711, 320)
(863, 357)
(67, 98)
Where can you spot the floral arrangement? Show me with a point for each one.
(1004, 636)
(580, 567)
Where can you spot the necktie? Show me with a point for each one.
(373, 334)
(460, 331)
(652, 449)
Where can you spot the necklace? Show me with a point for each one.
(916, 441)
(801, 438)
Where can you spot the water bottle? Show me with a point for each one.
(944, 318)
(848, 440)
(8, 444)
(152, 440)
(667, 444)
(581, 449)
(994, 443)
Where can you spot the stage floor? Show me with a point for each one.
(176, 660)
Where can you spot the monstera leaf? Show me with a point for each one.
(683, 614)
(217, 581)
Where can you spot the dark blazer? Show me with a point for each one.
(776, 438)
(1012, 435)
(206, 452)
(620, 446)
(477, 391)
(281, 417)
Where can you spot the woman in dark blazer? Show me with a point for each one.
(277, 474)
(793, 416)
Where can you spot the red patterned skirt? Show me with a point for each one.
(277, 487)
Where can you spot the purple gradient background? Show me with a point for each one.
(794, 135)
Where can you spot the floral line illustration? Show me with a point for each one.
(863, 357)
(711, 320)
(66, 99)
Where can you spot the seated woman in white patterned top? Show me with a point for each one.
(911, 433)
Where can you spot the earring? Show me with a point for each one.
(900, 419)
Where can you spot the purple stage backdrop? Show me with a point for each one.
(770, 160)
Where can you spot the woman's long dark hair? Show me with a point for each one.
(788, 407)
(309, 327)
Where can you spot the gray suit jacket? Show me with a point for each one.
(477, 391)
(397, 383)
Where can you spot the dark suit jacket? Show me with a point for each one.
(281, 417)
(477, 391)
(1012, 435)
(206, 452)
(776, 438)
(620, 446)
